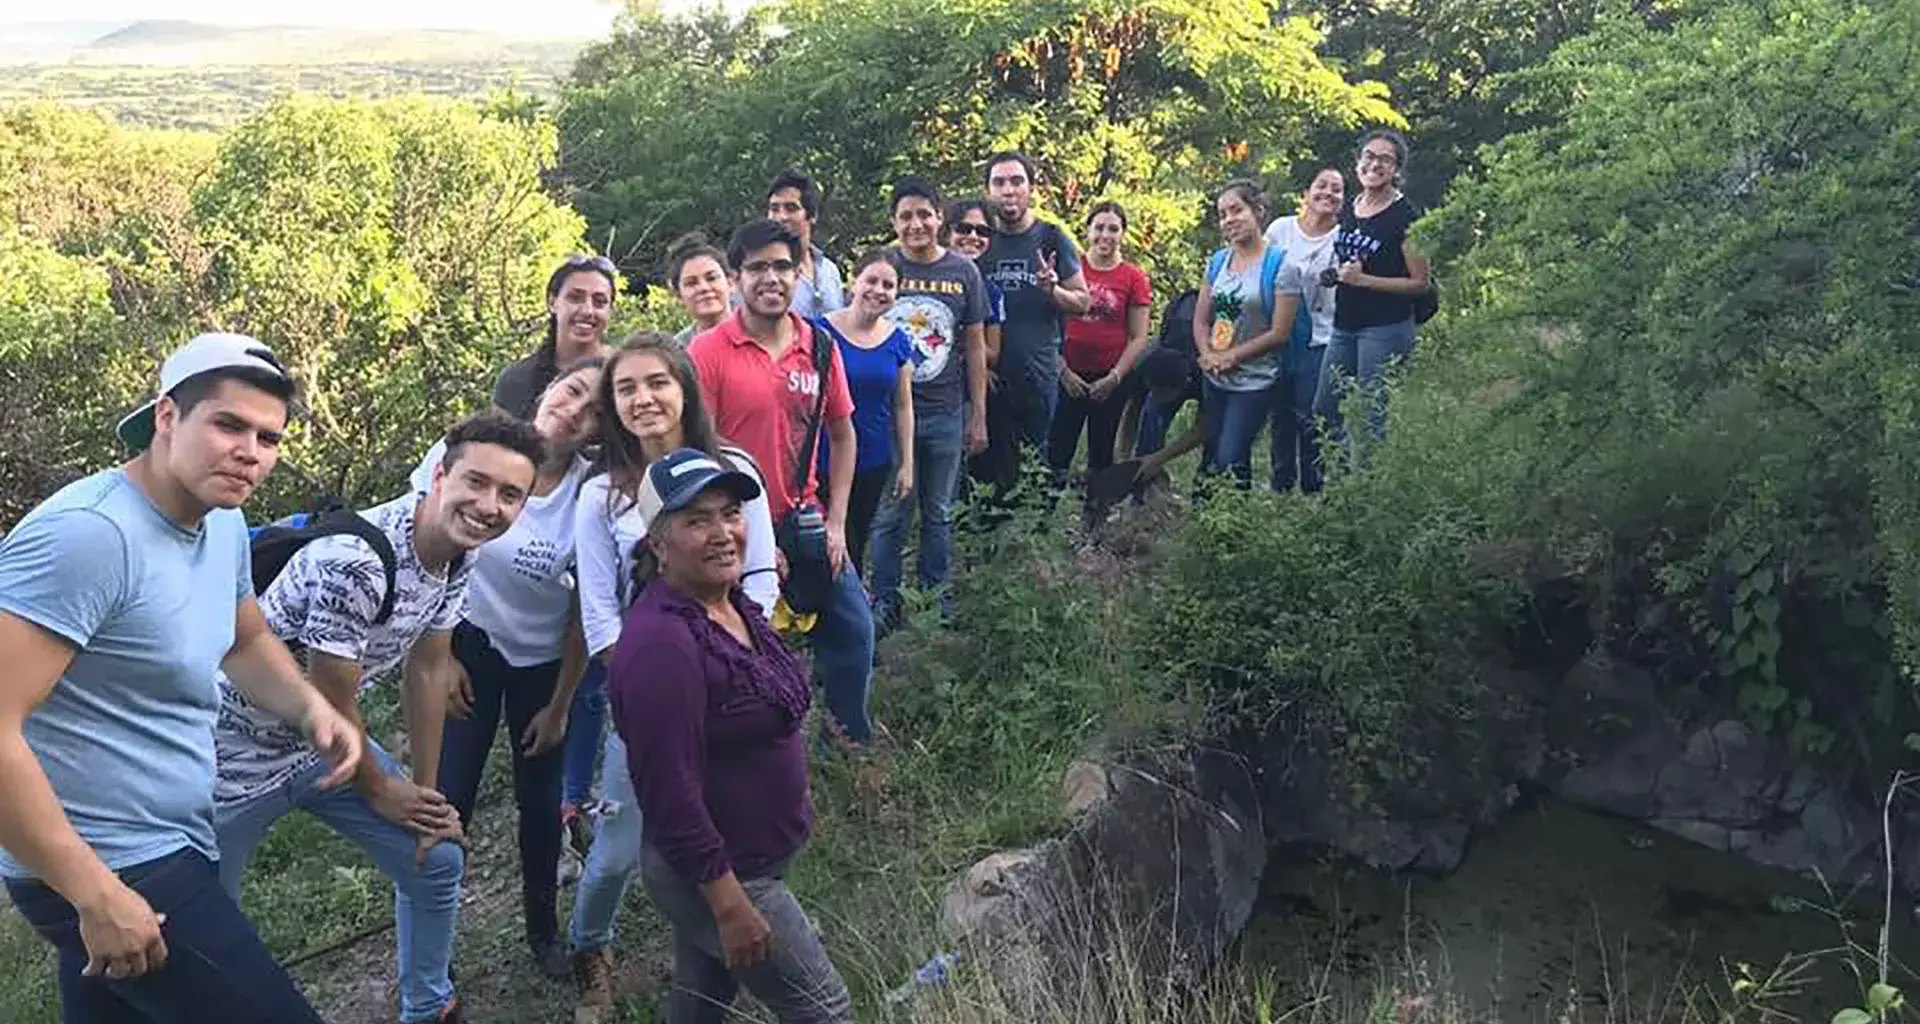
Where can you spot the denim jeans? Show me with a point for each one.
(1360, 357)
(1296, 450)
(611, 860)
(501, 691)
(937, 450)
(842, 642)
(426, 896)
(214, 957)
(1233, 421)
(585, 722)
(796, 982)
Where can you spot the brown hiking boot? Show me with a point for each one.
(593, 985)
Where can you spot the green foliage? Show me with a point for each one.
(679, 123)
(1685, 302)
(393, 254)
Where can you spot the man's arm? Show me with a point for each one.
(840, 460)
(263, 670)
(429, 669)
(977, 357)
(1070, 294)
(121, 931)
(412, 807)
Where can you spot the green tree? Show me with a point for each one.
(393, 254)
(1153, 103)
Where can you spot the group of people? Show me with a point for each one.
(615, 538)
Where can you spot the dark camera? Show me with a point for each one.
(1329, 276)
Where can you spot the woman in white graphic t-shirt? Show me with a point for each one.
(523, 650)
(1307, 238)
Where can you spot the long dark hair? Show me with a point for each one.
(621, 456)
(546, 358)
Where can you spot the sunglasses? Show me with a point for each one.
(967, 228)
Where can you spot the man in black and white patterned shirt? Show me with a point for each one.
(323, 604)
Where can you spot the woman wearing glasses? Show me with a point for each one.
(1377, 277)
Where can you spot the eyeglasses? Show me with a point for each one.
(762, 268)
(1368, 156)
(600, 263)
(968, 228)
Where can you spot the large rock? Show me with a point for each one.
(1704, 775)
(1148, 889)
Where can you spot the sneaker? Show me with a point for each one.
(551, 958)
(571, 867)
(593, 986)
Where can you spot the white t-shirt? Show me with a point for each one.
(604, 539)
(1310, 255)
(523, 580)
(326, 600)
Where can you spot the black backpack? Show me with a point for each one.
(274, 545)
(1176, 324)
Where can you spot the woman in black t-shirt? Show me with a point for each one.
(1377, 276)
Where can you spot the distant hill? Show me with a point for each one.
(176, 43)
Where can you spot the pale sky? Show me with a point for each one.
(545, 18)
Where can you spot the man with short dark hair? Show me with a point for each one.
(121, 596)
(793, 201)
(762, 385)
(1037, 268)
(942, 308)
(327, 604)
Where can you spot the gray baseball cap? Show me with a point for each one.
(202, 354)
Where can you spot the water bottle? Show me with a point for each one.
(932, 974)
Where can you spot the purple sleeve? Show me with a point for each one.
(658, 689)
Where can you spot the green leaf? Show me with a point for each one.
(1883, 997)
(1853, 1015)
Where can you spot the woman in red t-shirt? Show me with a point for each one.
(1102, 346)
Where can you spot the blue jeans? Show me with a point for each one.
(1296, 451)
(1360, 356)
(937, 450)
(426, 896)
(585, 722)
(611, 860)
(842, 642)
(214, 957)
(1233, 421)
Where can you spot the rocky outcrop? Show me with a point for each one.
(1156, 878)
(1707, 777)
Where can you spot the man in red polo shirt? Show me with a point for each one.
(759, 379)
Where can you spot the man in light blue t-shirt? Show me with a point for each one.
(121, 597)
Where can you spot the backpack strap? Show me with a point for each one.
(274, 545)
(1214, 263)
(1270, 263)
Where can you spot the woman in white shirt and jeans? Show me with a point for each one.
(1307, 238)
(649, 405)
(520, 645)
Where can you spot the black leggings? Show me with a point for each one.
(499, 689)
(869, 486)
(1101, 419)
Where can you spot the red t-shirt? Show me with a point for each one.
(1096, 338)
(764, 405)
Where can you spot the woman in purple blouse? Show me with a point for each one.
(710, 704)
